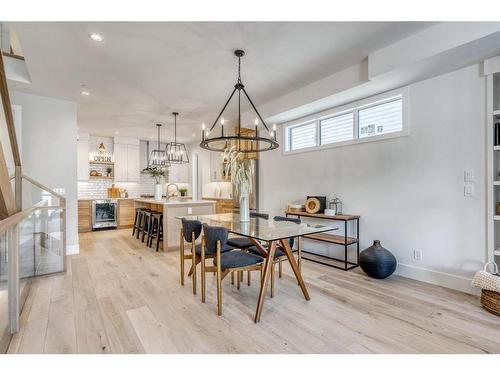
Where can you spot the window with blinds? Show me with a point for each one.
(302, 136)
(381, 118)
(337, 128)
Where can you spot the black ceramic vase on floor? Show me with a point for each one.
(377, 262)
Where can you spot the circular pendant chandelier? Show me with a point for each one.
(243, 139)
(176, 152)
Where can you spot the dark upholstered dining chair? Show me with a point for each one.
(244, 242)
(190, 232)
(214, 239)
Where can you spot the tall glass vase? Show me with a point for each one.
(244, 209)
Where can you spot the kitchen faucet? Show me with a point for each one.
(176, 193)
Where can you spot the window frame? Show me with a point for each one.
(288, 139)
(355, 106)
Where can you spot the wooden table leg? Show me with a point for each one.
(295, 268)
(265, 278)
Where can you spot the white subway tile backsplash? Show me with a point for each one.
(97, 189)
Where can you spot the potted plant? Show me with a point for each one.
(240, 169)
(109, 170)
(183, 191)
(157, 173)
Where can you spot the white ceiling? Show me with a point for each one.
(142, 72)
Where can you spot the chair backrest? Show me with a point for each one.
(297, 220)
(190, 226)
(212, 235)
(291, 219)
(260, 215)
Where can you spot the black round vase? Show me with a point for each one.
(377, 262)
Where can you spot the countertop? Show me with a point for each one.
(218, 199)
(97, 199)
(174, 202)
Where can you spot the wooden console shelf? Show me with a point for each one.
(332, 238)
(344, 240)
(323, 216)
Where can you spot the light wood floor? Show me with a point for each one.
(121, 297)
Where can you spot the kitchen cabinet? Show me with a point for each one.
(82, 167)
(179, 173)
(126, 213)
(222, 205)
(127, 162)
(133, 165)
(84, 216)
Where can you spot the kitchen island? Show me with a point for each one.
(175, 207)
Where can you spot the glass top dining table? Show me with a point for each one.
(275, 234)
(258, 228)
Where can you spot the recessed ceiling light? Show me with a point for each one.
(117, 133)
(193, 135)
(96, 37)
(85, 93)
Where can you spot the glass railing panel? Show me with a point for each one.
(34, 245)
(32, 195)
(27, 262)
(48, 241)
(4, 295)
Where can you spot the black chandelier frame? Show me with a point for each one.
(220, 143)
(176, 151)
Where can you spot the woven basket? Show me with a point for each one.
(491, 301)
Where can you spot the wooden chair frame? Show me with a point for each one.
(192, 255)
(219, 273)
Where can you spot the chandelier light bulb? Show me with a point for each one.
(274, 127)
(203, 126)
(256, 122)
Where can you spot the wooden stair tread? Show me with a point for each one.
(332, 238)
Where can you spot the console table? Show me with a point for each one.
(344, 240)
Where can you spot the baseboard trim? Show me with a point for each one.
(444, 279)
(72, 249)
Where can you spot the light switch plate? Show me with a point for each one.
(190, 210)
(468, 176)
(468, 190)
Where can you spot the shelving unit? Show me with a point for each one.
(101, 177)
(344, 240)
(102, 168)
(492, 74)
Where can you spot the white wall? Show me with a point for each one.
(409, 191)
(49, 136)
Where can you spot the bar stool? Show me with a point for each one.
(155, 230)
(146, 223)
(140, 215)
(137, 220)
